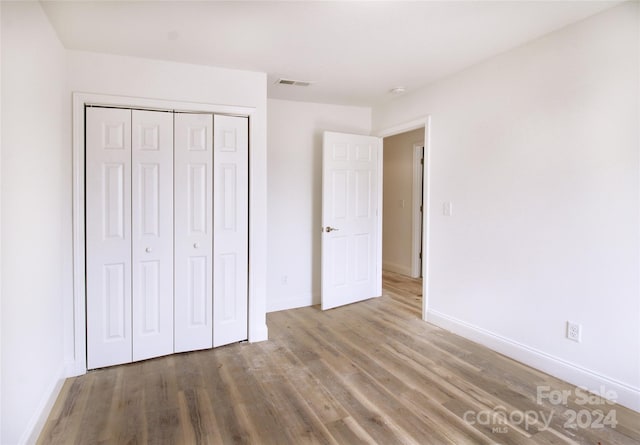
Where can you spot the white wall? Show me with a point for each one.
(294, 198)
(38, 76)
(397, 230)
(537, 149)
(1, 132)
(35, 225)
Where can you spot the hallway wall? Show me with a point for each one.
(397, 200)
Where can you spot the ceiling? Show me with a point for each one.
(355, 52)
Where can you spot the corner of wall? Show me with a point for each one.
(33, 78)
(397, 268)
(42, 411)
(1, 336)
(259, 333)
(293, 302)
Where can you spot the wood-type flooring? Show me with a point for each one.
(370, 372)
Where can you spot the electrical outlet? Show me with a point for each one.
(574, 331)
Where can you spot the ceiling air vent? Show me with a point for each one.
(297, 83)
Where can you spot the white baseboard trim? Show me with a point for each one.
(397, 268)
(39, 418)
(292, 303)
(74, 369)
(259, 335)
(627, 395)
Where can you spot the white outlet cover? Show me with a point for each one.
(574, 331)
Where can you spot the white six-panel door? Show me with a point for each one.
(152, 233)
(108, 236)
(193, 157)
(351, 219)
(231, 229)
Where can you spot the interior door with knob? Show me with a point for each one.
(351, 218)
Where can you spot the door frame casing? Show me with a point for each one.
(422, 122)
(76, 346)
(416, 212)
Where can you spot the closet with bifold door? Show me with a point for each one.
(166, 202)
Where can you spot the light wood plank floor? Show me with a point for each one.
(370, 372)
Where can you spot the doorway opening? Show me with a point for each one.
(402, 217)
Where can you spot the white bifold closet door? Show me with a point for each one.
(167, 199)
(108, 236)
(193, 231)
(211, 225)
(129, 235)
(230, 229)
(152, 233)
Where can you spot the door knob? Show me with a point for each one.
(148, 250)
(196, 245)
(330, 229)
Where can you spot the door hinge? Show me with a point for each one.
(420, 255)
(421, 208)
(421, 161)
